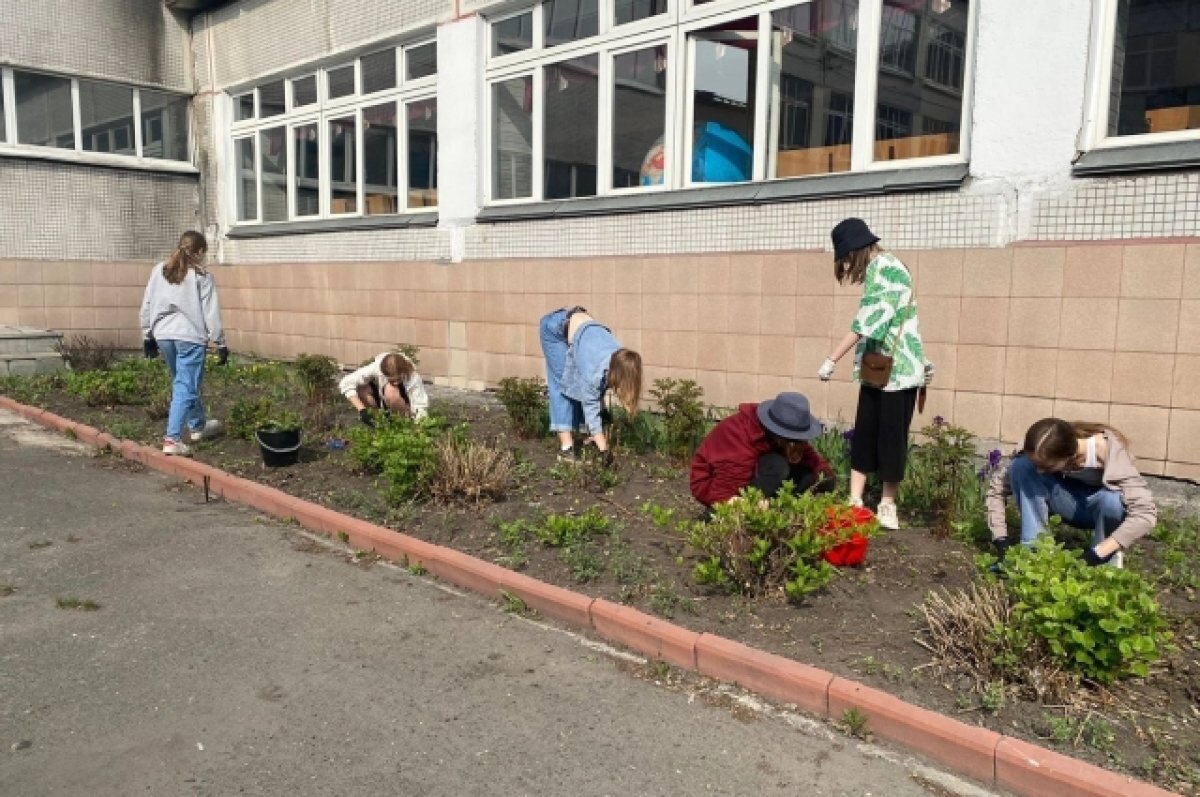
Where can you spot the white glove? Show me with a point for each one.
(930, 368)
(827, 368)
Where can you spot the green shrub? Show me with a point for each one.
(317, 374)
(1178, 560)
(131, 381)
(527, 405)
(1102, 623)
(754, 545)
(84, 353)
(248, 415)
(641, 433)
(943, 482)
(834, 447)
(31, 389)
(684, 421)
(281, 421)
(404, 451)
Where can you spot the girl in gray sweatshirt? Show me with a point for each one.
(180, 310)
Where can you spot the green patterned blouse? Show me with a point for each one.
(887, 321)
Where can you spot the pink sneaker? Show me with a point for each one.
(176, 448)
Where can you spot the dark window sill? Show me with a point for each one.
(927, 178)
(399, 221)
(1160, 156)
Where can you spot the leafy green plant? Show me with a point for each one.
(639, 433)
(834, 447)
(684, 421)
(1101, 623)
(662, 516)
(854, 723)
(668, 601)
(588, 474)
(317, 374)
(515, 604)
(993, 697)
(941, 481)
(563, 531)
(30, 389)
(129, 381)
(404, 451)
(281, 421)
(756, 545)
(248, 415)
(527, 405)
(1178, 557)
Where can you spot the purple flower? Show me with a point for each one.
(994, 457)
(938, 420)
(848, 435)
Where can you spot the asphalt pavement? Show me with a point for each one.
(227, 653)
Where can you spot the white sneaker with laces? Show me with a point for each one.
(886, 513)
(176, 448)
(211, 429)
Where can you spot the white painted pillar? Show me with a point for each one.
(460, 120)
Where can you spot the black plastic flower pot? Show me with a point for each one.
(279, 448)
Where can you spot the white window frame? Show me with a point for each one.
(676, 28)
(320, 114)
(10, 145)
(1099, 95)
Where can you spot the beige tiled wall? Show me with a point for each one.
(1107, 332)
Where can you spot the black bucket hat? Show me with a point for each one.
(788, 416)
(849, 235)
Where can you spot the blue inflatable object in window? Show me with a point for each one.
(720, 155)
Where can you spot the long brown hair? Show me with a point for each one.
(625, 378)
(1053, 444)
(189, 254)
(852, 268)
(396, 366)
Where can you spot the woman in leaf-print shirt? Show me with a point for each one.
(886, 322)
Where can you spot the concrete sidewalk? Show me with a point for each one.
(230, 654)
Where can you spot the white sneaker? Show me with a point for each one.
(886, 513)
(211, 429)
(176, 448)
(856, 502)
(1118, 560)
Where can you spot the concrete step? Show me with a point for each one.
(31, 363)
(16, 340)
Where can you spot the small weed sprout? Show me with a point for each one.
(417, 569)
(515, 604)
(854, 723)
(344, 537)
(6, 590)
(993, 697)
(33, 546)
(76, 603)
(666, 600)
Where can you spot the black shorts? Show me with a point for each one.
(881, 425)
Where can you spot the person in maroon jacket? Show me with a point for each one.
(761, 445)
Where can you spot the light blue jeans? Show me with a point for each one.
(1039, 495)
(566, 414)
(185, 361)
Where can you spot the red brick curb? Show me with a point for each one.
(995, 760)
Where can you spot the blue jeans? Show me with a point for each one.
(566, 414)
(1039, 495)
(185, 361)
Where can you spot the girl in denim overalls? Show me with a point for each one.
(584, 360)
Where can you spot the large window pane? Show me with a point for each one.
(570, 122)
(422, 154)
(44, 116)
(512, 138)
(420, 61)
(304, 91)
(639, 117)
(164, 125)
(340, 81)
(922, 68)
(569, 20)
(812, 122)
(1156, 71)
(380, 153)
(270, 99)
(379, 71)
(633, 10)
(272, 152)
(247, 187)
(343, 166)
(106, 117)
(723, 103)
(306, 165)
(513, 34)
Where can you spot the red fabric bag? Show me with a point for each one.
(853, 551)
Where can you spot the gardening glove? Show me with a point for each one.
(1001, 546)
(364, 415)
(1094, 559)
(150, 348)
(827, 369)
(930, 368)
(222, 355)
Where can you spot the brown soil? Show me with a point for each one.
(863, 626)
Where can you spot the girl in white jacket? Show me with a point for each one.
(389, 382)
(181, 312)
